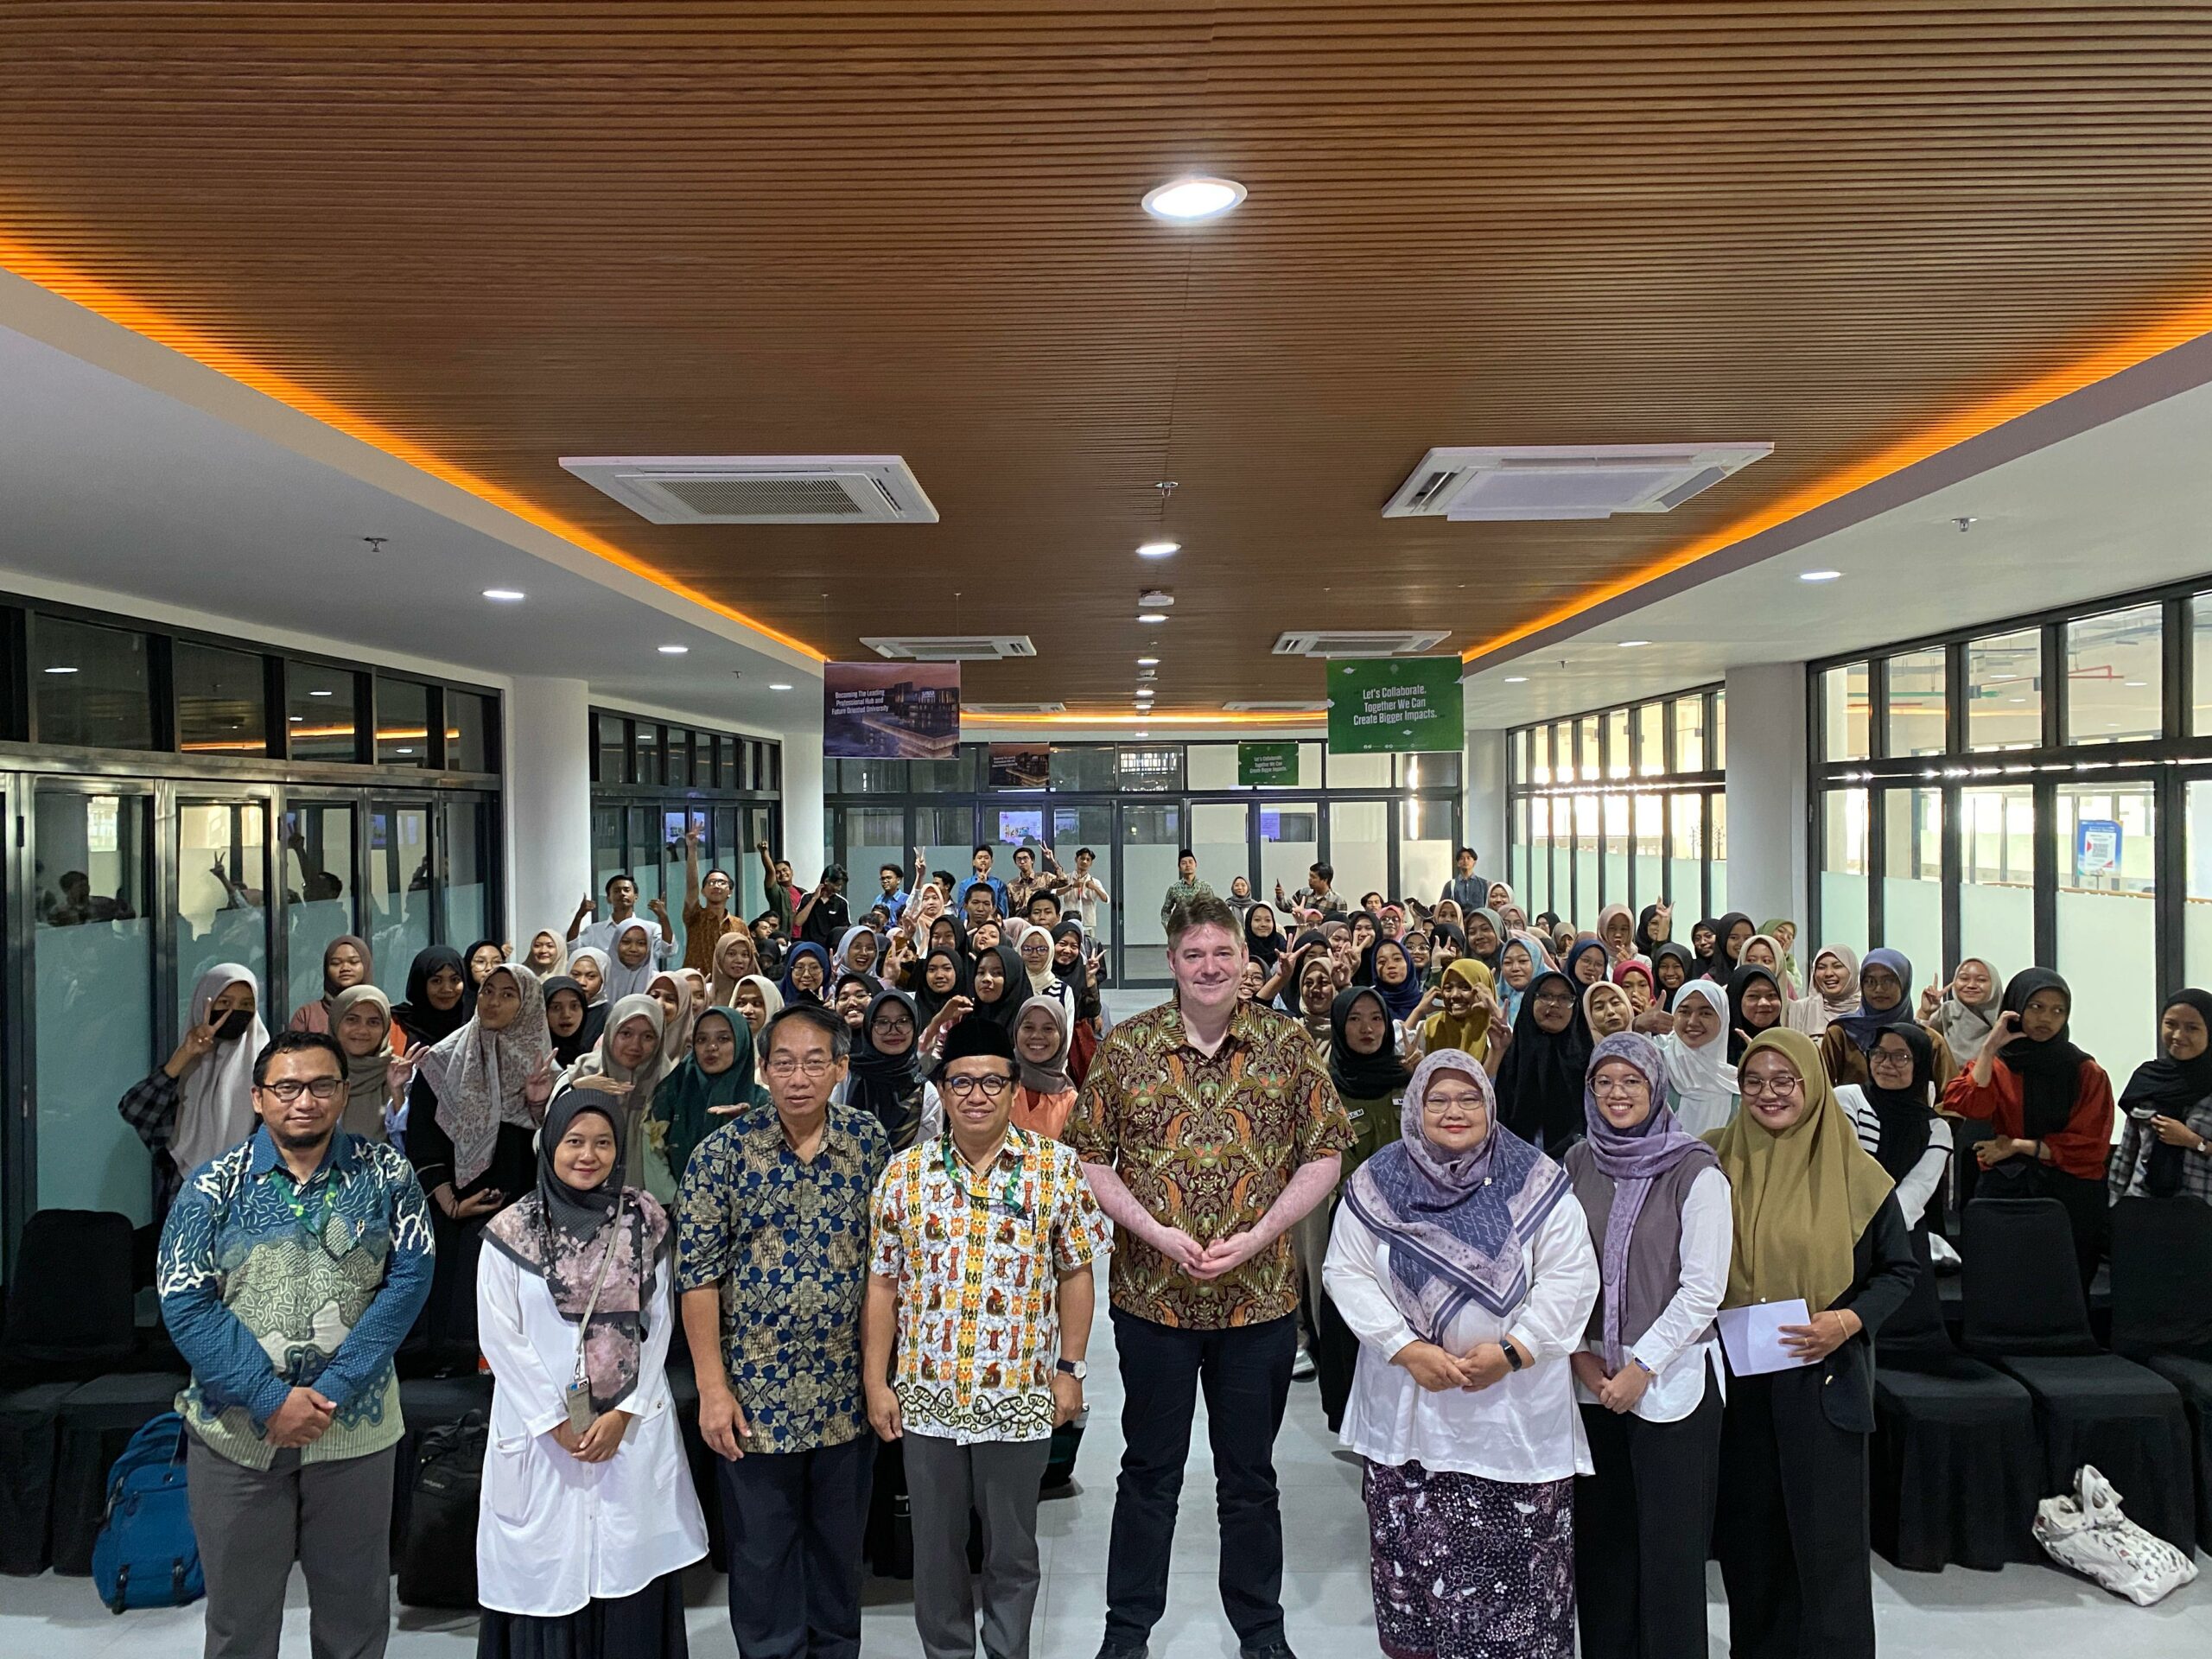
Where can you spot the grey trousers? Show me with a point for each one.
(999, 1481)
(333, 1518)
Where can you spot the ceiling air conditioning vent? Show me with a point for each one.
(1013, 709)
(1257, 706)
(759, 489)
(1593, 480)
(951, 647)
(1360, 642)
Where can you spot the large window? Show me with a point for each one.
(2013, 786)
(1622, 806)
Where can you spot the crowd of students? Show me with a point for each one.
(1495, 1176)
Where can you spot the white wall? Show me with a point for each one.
(547, 762)
(1485, 805)
(1766, 790)
(804, 823)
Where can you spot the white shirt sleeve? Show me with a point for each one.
(1709, 1240)
(1562, 1284)
(1352, 1276)
(651, 1395)
(1920, 1182)
(507, 1347)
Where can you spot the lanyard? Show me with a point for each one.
(299, 1209)
(1011, 1198)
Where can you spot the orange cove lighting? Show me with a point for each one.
(45, 271)
(2192, 321)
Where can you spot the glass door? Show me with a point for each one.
(317, 873)
(1152, 834)
(399, 889)
(92, 994)
(221, 905)
(1220, 835)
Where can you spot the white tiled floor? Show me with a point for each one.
(2024, 1613)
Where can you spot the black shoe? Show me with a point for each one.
(1108, 1650)
(1275, 1648)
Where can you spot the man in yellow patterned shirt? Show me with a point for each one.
(984, 1236)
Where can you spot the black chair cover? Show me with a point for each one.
(1953, 1463)
(71, 1304)
(95, 1421)
(2024, 1309)
(2193, 1379)
(2162, 1277)
(28, 1436)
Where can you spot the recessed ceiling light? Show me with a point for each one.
(1148, 662)
(505, 595)
(674, 651)
(1185, 199)
(2136, 685)
(318, 694)
(1630, 645)
(61, 671)
(1152, 616)
(295, 719)
(778, 686)
(404, 750)
(1158, 549)
(1517, 679)
(1818, 575)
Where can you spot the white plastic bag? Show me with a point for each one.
(2087, 1533)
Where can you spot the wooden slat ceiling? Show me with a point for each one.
(514, 232)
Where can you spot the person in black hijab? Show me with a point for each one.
(561, 992)
(2051, 1106)
(1755, 1004)
(433, 1012)
(1704, 948)
(1685, 970)
(930, 1001)
(1907, 1118)
(1005, 1008)
(2168, 1137)
(1729, 935)
(1540, 1081)
(1647, 942)
(886, 1079)
(1263, 947)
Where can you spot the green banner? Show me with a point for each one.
(1395, 705)
(1266, 763)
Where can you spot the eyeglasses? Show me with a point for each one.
(1620, 1086)
(325, 1090)
(1780, 1089)
(784, 1065)
(1433, 1102)
(991, 1088)
(893, 1022)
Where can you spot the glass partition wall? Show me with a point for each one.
(179, 801)
(1623, 806)
(1389, 823)
(2032, 792)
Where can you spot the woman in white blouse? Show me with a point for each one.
(1648, 1373)
(1463, 1265)
(589, 1513)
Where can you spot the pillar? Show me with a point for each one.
(805, 824)
(1484, 830)
(547, 763)
(1766, 784)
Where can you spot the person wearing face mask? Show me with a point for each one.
(1893, 1113)
(1833, 994)
(714, 1081)
(2052, 1109)
(1462, 1264)
(200, 1101)
(345, 964)
(588, 1514)
(1647, 1375)
(1815, 1218)
(472, 1125)
(1701, 1083)
(2165, 1148)
(1961, 1013)
(377, 1080)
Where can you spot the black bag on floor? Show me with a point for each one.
(437, 1561)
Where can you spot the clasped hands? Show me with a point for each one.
(1440, 1369)
(600, 1441)
(1206, 1263)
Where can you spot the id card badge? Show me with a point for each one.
(577, 1398)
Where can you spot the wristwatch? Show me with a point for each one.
(1513, 1361)
(1074, 1368)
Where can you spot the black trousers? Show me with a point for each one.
(1246, 1374)
(794, 1521)
(1792, 1523)
(1642, 1525)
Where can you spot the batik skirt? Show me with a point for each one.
(1469, 1568)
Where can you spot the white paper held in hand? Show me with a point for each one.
(1752, 1336)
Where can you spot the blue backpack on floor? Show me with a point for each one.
(146, 1555)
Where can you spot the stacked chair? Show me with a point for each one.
(2162, 1314)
